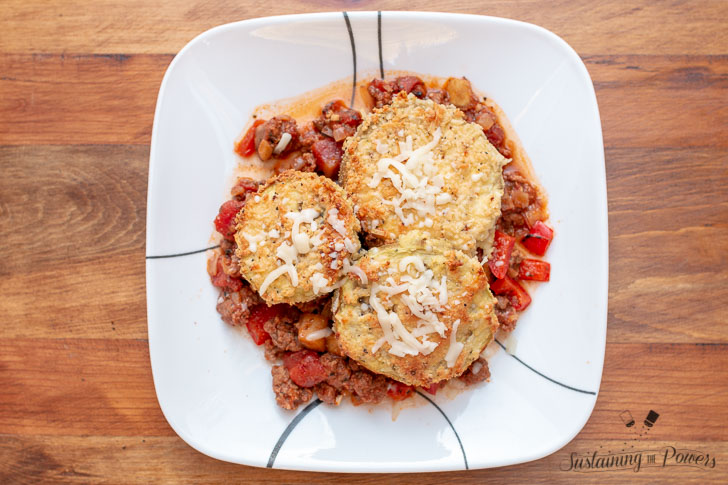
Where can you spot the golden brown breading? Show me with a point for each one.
(468, 203)
(265, 227)
(361, 332)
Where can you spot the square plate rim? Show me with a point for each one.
(399, 15)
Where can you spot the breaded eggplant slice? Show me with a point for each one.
(399, 292)
(294, 236)
(416, 164)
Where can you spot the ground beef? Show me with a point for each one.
(270, 133)
(368, 387)
(516, 257)
(507, 315)
(308, 135)
(314, 306)
(338, 370)
(288, 394)
(271, 352)
(481, 114)
(304, 162)
(354, 366)
(337, 121)
(497, 137)
(328, 394)
(519, 203)
(381, 91)
(439, 96)
(228, 260)
(234, 307)
(244, 188)
(283, 332)
(477, 372)
(371, 241)
(346, 375)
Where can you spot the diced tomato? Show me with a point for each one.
(398, 391)
(225, 281)
(337, 121)
(305, 368)
(243, 186)
(515, 293)
(225, 220)
(328, 157)
(538, 238)
(377, 86)
(381, 91)
(533, 269)
(495, 135)
(434, 388)
(500, 260)
(246, 146)
(259, 315)
(412, 84)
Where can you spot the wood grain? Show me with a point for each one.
(168, 460)
(644, 100)
(107, 26)
(82, 213)
(103, 387)
(96, 230)
(78, 87)
(669, 243)
(107, 99)
(78, 387)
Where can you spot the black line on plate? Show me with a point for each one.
(543, 375)
(465, 458)
(183, 254)
(289, 428)
(379, 40)
(353, 56)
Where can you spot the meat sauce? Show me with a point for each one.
(304, 366)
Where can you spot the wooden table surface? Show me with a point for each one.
(78, 85)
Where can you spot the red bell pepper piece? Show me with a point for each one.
(259, 315)
(399, 391)
(246, 146)
(500, 260)
(515, 293)
(225, 220)
(533, 269)
(305, 368)
(538, 238)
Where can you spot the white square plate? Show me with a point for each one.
(214, 385)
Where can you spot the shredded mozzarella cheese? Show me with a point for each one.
(455, 347)
(350, 268)
(283, 143)
(424, 297)
(336, 223)
(253, 240)
(414, 175)
(349, 245)
(272, 276)
(288, 253)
